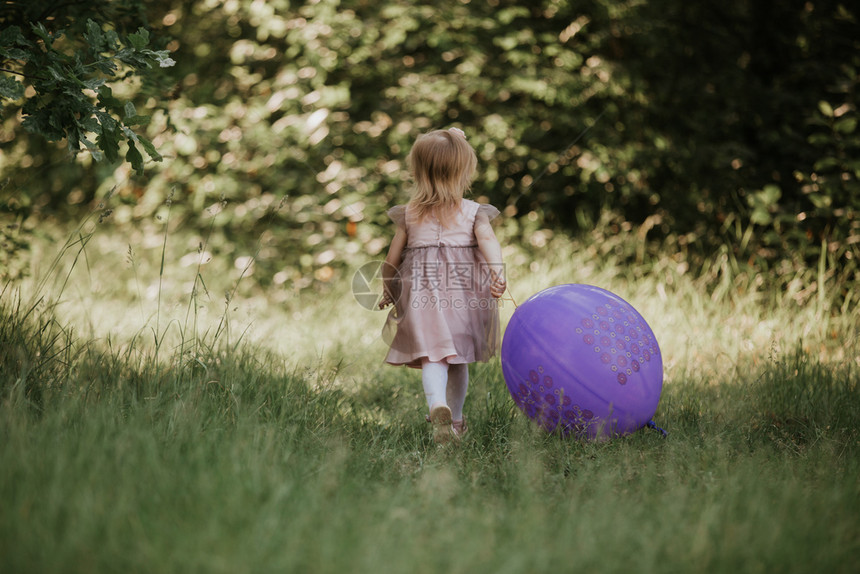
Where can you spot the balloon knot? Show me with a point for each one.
(653, 425)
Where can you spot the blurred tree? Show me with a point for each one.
(747, 120)
(711, 126)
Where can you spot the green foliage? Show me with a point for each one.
(63, 106)
(713, 127)
(751, 108)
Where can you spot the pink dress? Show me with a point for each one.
(443, 308)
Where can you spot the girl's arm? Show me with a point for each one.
(392, 263)
(492, 251)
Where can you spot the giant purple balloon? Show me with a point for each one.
(581, 360)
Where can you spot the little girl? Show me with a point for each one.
(443, 274)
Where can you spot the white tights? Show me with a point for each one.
(446, 384)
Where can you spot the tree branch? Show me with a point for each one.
(20, 74)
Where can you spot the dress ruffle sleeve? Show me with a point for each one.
(398, 215)
(488, 210)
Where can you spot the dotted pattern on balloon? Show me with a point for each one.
(623, 342)
(547, 404)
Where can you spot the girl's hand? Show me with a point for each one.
(386, 300)
(498, 286)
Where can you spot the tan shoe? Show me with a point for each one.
(443, 431)
(460, 428)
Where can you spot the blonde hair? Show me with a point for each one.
(442, 164)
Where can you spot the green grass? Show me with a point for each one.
(283, 445)
(248, 468)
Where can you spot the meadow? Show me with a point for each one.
(162, 412)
